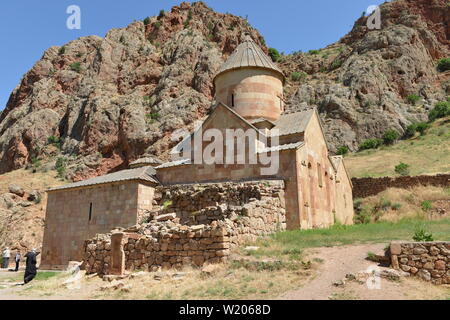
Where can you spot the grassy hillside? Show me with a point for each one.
(428, 154)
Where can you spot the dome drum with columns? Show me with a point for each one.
(250, 83)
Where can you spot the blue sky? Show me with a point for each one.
(29, 27)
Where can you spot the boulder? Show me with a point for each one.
(17, 190)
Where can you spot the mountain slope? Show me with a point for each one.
(104, 102)
(362, 83)
(428, 154)
(110, 100)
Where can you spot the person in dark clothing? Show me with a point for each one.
(17, 259)
(30, 269)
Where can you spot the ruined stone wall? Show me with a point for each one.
(366, 187)
(204, 203)
(429, 261)
(197, 224)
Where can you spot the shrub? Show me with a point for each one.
(390, 136)
(371, 144)
(443, 65)
(75, 67)
(402, 169)
(336, 64)
(411, 130)
(396, 206)
(342, 151)
(422, 235)
(62, 50)
(53, 140)
(297, 76)
(413, 98)
(426, 205)
(161, 14)
(313, 52)
(147, 21)
(60, 166)
(422, 128)
(157, 24)
(152, 117)
(441, 110)
(274, 54)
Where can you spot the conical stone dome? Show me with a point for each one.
(250, 83)
(248, 54)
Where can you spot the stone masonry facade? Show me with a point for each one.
(429, 261)
(194, 225)
(366, 187)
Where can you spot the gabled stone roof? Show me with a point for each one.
(145, 174)
(290, 123)
(249, 54)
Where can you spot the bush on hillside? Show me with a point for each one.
(297, 76)
(390, 136)
(402, 169)
(342, 151)
(422, 128)
(441, 110)
(413, 98)
(274, 54)
(443, 65)
(411, 130)
(75, 67)
(371, 144)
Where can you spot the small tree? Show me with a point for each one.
(342, 151)
(274, 54)
(147, 21)
(390, 136)
(402, 169)
(443, 65)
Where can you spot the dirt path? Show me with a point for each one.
(340, 261)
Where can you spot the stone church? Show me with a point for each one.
(249, 95)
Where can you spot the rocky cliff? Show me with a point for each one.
(104, 102)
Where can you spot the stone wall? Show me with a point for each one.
(196, 224)
(366, 187)
(429, 261)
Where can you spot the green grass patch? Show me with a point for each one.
(345, 235)
(45, 275)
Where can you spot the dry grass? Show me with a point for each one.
(28, 180)
(429, 154)
(225, 283)
(396, 204)
(25, 225)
